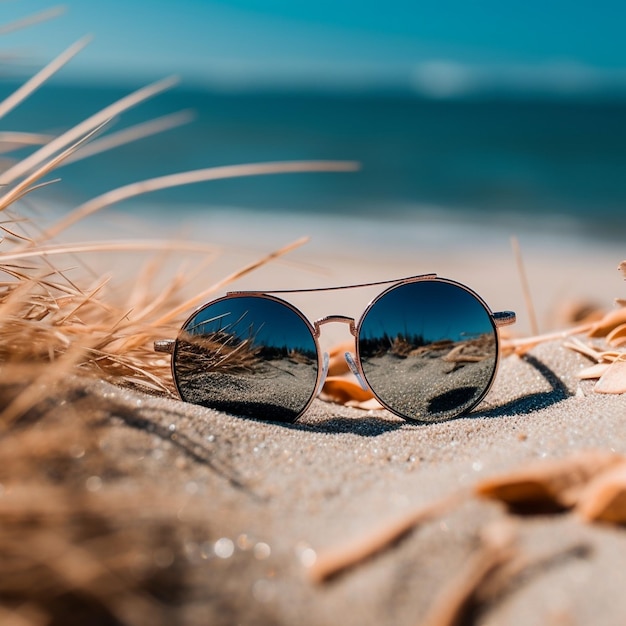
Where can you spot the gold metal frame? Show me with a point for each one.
(498, 319)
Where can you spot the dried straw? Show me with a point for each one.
(68, 556)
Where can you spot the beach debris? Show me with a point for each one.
(340, 385)
(613, 319)
(613, 380)
(604, 499)
(497, 549)
(609, 331)
(336, 560)
(495, 568)
(521, 271)
(342, 391)
(610, 367)
(617, 337)
(592, 483)
(522, 345)
(549, 485)
(593, 372)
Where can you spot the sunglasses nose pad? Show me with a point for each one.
(325, 363)
(354, 368)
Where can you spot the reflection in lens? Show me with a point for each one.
(247, 355)
(428, 349)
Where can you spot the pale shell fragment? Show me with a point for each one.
(614, 379)
(595, 371)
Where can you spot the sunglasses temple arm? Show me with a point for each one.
(504, 318)
(164, 345)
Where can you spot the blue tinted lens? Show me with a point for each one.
(428, 349)
(247, 355)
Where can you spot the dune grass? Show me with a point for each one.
(69, 553)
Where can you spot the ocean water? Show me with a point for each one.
(552, 165)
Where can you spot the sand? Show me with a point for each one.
(224, 516)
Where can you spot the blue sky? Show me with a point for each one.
(443, 46)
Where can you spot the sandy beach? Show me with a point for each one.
(302, 146)
(147, 510)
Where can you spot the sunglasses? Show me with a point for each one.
(426, 347)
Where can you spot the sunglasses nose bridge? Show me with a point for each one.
(330, 319)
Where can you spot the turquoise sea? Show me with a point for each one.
(549, 163)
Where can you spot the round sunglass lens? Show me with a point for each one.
(428, 349)
(248, 355)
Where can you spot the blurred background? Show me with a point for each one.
(489, 115)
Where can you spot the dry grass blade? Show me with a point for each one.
(78, 131)
(38, 79)
(521, 346)
(78, 570)
(582, 348)
(496, 550)
(87, 299)
(196, 176)
(26, 190)
(23, 616)
(530, 308)
(133, 133)
(199, 298)
(25, 186)
(10, 140)
(31, 20)
(67, 557)
(129, 245)
(40, 387)
(336, 560)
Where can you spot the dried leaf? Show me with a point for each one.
(622, 268)
(614, 379)
(548, 485)
(605, 497)
(611, 320)
(617, 337)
